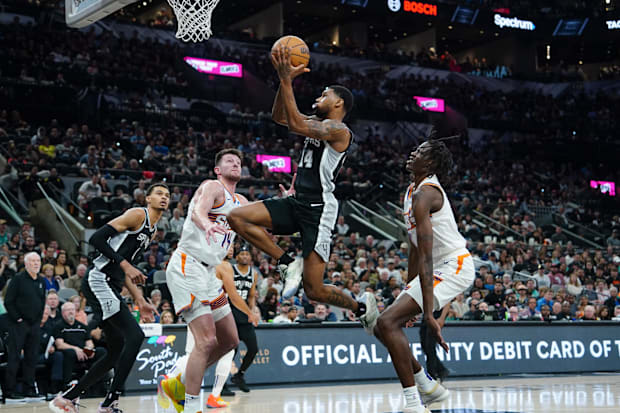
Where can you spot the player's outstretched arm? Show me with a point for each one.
(225, 273)
(278, 111)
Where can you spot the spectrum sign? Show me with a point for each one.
(275, 163)
(513, 22)
(215, 67)
(430, 104)
(413, 7)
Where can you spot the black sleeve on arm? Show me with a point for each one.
(99, 240)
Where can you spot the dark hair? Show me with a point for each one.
(344, 94)
(441, 158)
(231, 151)
(155, 185)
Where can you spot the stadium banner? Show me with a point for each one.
(339, 351)
(215, 67)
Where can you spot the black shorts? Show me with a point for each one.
(103, 297)
(315, 220)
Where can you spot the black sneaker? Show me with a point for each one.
(240, 382)
(227, 392)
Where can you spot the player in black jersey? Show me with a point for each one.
(245, 283)
(118, 242)
(313, 209)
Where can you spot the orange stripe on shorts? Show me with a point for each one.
(460, 259)
(184, 258)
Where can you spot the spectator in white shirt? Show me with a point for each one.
(89, 190)
(341, 226)
(176, 222)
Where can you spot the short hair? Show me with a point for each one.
(68, 303)
(441, 158)
(51, 292)
(229, 151)
(344, 94)
(31, 254)
(155, 185)
(47, 267)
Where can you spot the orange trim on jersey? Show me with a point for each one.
(412, 227)
(218, 206)
(183, 259)
(436, 280)
(460, 259)
(187, 307)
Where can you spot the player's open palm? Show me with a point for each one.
(213, 229)
(435, 329)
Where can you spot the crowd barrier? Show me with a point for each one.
(306, 353)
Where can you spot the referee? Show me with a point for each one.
(24, 302)
(245, 282)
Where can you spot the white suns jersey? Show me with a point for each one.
(446, 236)
(193, 239)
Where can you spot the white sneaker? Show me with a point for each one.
(62, 405)
(369, 319)
(292, 275)
(435, 395)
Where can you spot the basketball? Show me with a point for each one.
(300, 54)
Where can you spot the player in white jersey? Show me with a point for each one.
(196, 292)
(440, 267)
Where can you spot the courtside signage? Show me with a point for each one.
(430, 104)
(607, 187)
(413, 7)
(215, 67)
(275, 163)
(513, 23)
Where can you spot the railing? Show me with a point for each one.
(499, 224)
(581, 228)
(58, 214)
(580, 238)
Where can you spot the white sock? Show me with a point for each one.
(222, 370)
(192, 404)
(412, 398)
(424, 380)
(179, 368)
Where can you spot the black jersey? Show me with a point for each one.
(318, 168)
(243, 284)
(130, 245)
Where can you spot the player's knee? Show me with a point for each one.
(234, 219)
(384, 324)
(206, 345)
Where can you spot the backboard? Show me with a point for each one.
(81, 13)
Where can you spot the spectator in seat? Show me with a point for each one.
(72, 338)
(542, 279)
(282, 318)
(24, 302)
(176, 222)
(269, 307)
(473, 307)
(530, 312)
(603, 313)
(459, 306)
(166, 317)
(75, 281)
(154, 250)
(53, 302)
(513, 314)
(484, 313)
(61, 268)
(89, 190)
(614, 239)
(51, 282)
(52, 359)
(496, 297)
(547, 299)
(80, 305)
(559, 236)
(589, 313)
(156, 298)
(342, 227)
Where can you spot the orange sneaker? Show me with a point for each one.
(214, 403)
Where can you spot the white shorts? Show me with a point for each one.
(195, 289)
(452, 275)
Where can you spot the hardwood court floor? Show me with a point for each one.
(531, 394)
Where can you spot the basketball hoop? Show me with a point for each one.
(193, 19)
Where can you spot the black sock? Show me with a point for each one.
(110, 397)
(285, 259)
(361, 309)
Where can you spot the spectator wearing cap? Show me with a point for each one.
(403, 251)
(4, 235)
(542, 279)
(75, 281)
(521, 295)
(24, 302)
(393, 271)
(283, 317)
(556, 277)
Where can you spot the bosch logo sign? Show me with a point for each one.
(413, 7)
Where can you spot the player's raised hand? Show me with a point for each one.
(213, 229)
(281, 60)
(147, 311)
(291, 190)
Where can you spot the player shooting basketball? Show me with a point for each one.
(313, 209)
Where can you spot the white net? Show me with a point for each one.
(193, 18)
